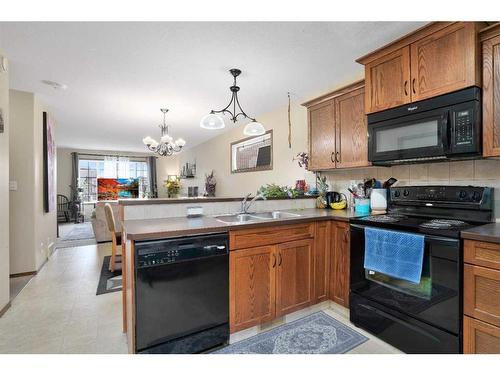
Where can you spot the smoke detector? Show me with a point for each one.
(54, 85)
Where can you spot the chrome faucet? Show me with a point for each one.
(245, 205)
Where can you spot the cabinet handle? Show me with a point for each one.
(274, 263)
(281, 260)
(406, 88)
(339, 158)
(331, 158)
(413, 86)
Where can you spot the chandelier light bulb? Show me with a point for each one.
(180, 142)
(212, 122)
(254, 128)
(166, 138)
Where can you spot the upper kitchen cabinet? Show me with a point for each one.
(338, 135)
(321, 136)
(388, 81)
(437, 59)
(491, 90)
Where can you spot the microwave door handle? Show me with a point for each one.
(445, 133)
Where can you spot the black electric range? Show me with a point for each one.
(424, 317)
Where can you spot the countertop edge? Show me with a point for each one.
(137, 202)
(480, 237)
(229, 227)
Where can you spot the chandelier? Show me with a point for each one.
(166, 146)
(214, 121)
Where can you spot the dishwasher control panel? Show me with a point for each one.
(154, 253)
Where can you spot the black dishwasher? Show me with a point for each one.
(182, 294)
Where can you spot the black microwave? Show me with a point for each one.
(440, 128)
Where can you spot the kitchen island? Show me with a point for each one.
(283, 265)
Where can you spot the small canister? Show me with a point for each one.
(378, 200)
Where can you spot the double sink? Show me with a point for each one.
(255, 217)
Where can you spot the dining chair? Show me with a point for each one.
(116, 236)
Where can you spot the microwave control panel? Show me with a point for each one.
(464, 128)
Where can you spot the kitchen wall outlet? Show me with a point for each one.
(13, 185)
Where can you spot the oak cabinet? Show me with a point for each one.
(338, 133)
(435, 60)
(491, 91)
(294, 276)
(339, 263)
(388, 81)
(322, 136)
(481, 297)
(321, 258)
(480, 337)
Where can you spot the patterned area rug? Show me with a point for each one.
(109, 281)
(318, 333)
(80, 235)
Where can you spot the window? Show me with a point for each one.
(91, 170)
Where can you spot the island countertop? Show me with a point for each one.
(152, 229)
(146, 201)
(487, 233)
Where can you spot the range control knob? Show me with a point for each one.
(462, 194)
(477, 196)
(406, 192)
(397, 193)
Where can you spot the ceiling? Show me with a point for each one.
(119, 74)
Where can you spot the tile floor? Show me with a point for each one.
(58, 311)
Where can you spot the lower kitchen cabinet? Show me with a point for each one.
(252, 287)
(481, 297)
(307, 263)
(321, 261)
(294, 276)
(339, 263)
(480, 337)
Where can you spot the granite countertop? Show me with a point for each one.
(487, 233)
(150, 229)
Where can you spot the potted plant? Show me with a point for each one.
(210, 183)
(173, 186)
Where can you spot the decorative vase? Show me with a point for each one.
(210, 190)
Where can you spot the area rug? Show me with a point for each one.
(81, 231)
(109, 281)
(318, 333)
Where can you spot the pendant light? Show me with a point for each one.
(214, 121)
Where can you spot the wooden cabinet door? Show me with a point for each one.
(387, 81)
(322, 136)
(351, 130)
(252, 287)
(480, 337)
(294, 276)
(321, 261)
(482, 293)
(444, 61)
(491, 96)
(339, 263)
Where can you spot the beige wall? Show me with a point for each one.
(215, 154)
(4, 191)
(32, 231)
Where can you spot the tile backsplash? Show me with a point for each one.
(467, 172)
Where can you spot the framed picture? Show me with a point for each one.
(252, 154)
(49, 164)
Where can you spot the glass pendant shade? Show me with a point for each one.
(212, 122)
(254, 128)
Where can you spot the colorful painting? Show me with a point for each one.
(109, 189)
(49, 164)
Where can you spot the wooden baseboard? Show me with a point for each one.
(21, 274)
(4, 309)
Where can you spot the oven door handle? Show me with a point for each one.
(429, 237)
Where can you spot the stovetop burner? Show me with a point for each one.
(384, 218)
(443, 224)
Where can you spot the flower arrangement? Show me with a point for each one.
(210, 184)
(276, 191)
(173, 186)
(302, 159)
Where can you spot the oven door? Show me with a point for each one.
(419, 136)
(435, 300)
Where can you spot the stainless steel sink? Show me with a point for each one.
(238, 218)
(276, 215)
(254, 217)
